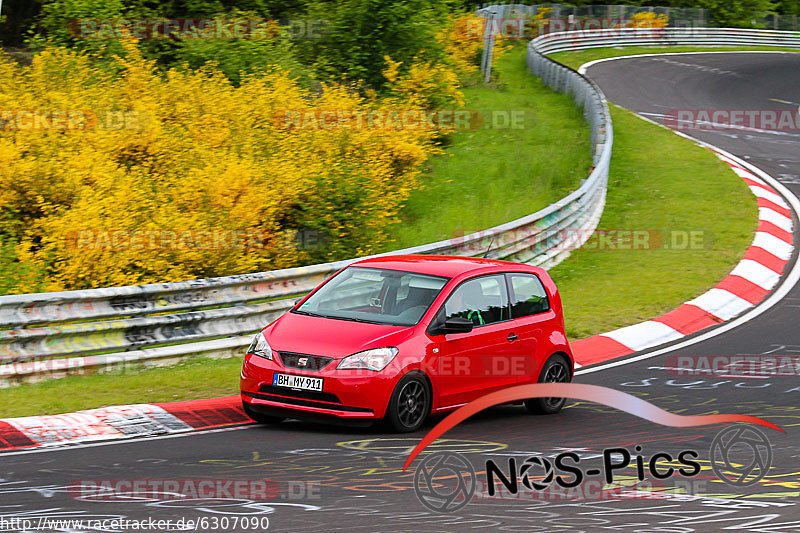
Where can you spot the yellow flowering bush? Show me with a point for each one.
(540, 19)
(425, 84)
(463, 40)
(648, 19)
(168, 157)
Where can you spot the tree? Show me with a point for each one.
(17, 17)
(359, 34)
(735, 14)
(788, 7)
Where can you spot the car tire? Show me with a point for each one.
(555, 370)
(260, 417)
(409, 405)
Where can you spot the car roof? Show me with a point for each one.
(441, 265)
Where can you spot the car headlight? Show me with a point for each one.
(260, 347)
(375, 359)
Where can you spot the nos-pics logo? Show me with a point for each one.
(445, 482)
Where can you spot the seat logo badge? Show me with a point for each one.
(303, 361)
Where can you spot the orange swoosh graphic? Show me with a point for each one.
(579, 391)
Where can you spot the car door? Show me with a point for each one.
(532, 316)
(475, 363)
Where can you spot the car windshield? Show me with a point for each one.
(375, 295)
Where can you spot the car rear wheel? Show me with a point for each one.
(409, 405)
(555, 370)
(260, 417)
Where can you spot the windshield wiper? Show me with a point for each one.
(308, 313)
(364, 320)
(349, 319)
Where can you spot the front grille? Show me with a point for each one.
(309, 362)
(304, 394)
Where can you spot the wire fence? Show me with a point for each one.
(562, 17)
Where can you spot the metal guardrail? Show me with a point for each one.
(585, 39)
(678, 17)
(49, 335)
(562, 17)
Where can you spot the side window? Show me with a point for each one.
(483, 300)
(529, 296)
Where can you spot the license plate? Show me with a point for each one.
(290, 381)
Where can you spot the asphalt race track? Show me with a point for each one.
(333, 478)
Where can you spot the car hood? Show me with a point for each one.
(330, 337)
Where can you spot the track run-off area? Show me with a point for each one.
(326, 478)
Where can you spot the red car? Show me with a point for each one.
(400, 337)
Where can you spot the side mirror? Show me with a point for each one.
(457, 325)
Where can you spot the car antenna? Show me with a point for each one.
(489, 249)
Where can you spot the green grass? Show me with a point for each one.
(201, 378)
(578, 58)
(467, 188)
(659, 182)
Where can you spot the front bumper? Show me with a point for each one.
(346, 395)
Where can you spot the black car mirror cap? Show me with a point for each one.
(457, 325)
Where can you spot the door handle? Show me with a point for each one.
(512, 337)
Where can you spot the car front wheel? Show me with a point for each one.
(555, 370)
(409, 405)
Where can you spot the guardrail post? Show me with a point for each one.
(488, 46)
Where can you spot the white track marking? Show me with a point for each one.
(643, 335)
(761, 192)
(132, 440)
(773, 245)
(772, 216)
(791, 278)
(720, 303)
(582, 69)
(756, 273)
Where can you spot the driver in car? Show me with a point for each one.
(466, 302)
